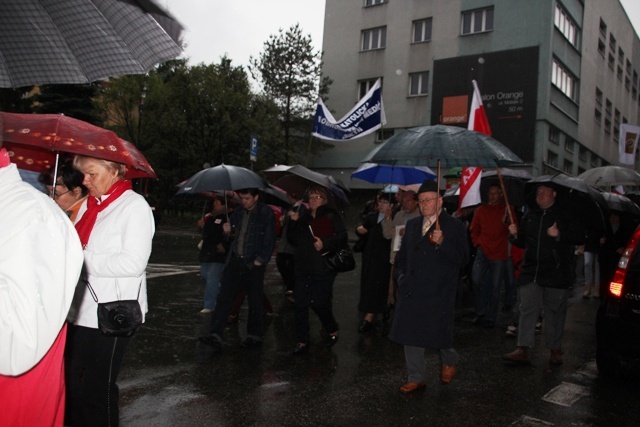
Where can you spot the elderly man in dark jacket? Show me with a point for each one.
(434, 248)
(545, 278)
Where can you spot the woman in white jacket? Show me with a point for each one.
(116, 227)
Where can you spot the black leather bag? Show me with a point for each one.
(119, 318)
(341, 261)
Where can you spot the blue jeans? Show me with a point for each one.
(487, 277)
(210, 272)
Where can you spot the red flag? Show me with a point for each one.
(469, 187)
(477, 117)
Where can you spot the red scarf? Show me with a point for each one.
(85, 225)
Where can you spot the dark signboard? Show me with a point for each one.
(508, 83)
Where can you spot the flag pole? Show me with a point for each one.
(438, 192)
(504, 194)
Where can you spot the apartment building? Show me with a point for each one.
(557, 77)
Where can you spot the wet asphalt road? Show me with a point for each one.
(168, 380)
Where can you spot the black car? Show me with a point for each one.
(618, 318)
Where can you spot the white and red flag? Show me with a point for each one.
(477, 116)
(470, 187)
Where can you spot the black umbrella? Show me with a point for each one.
(274, 196)
(578, 199)
(298, 179)
(222, 177)
(452, 145)
(620, 203)
(514, 180)
(81, 41)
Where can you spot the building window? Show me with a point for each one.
(601, 47)
(583, 153)
(552, 159)
(612, 61)
(612, 43)
(616, 125)
(598, 117)
(603, 29)
(569, 144)
(422, 30)
(620, 55)
(568, 167)
(419, 84)
(619, 73)
(477, 21)
(607, 126)
(374, 38)
(383, 134)
(373, 2)
(554, 135)
(566, 25)
(563, 80)
(598, 97)
(365, 85)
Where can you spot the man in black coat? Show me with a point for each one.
(434, 248)
(545, 279)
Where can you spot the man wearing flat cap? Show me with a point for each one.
(434, 248)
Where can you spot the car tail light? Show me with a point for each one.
(617, 283)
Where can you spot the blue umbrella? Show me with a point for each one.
(389, 174)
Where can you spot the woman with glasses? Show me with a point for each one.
(315, 232)
(69, 192)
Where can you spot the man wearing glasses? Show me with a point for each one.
(434, 248)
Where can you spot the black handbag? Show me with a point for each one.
(119, 318)
(341, 261)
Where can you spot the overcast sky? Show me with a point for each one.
(239, 28)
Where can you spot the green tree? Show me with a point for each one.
(71, 100)
(289, 70)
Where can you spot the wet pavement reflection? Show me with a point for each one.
(169, 379)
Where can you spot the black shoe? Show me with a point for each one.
(211, 342)
(365, 326)
(507, 308)
(251, 343)
(301, 349)
(332, 340)
(478, 319)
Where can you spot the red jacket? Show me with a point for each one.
(489, 231)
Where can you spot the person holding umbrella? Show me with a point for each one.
(315, 232)
(548, 237)
(252, 233)
(434, 248)
(69, 191)
(116, 227)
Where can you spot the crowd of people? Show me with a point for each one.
(414, 256)
(519, 261)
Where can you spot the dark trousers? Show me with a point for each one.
(284, 262)
(314, 292)
(92, 365)
(238, 276)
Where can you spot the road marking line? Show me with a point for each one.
(566, 394)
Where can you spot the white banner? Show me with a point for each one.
(628, 143)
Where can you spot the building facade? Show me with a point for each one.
(557, 77)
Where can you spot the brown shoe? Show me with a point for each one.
(447, 374)
(556, 357)
(410, 387)
(519, 356)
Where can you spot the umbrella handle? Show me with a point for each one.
(506, 198)
(438, 193)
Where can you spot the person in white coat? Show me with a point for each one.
(40, 262)
(116, 228)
